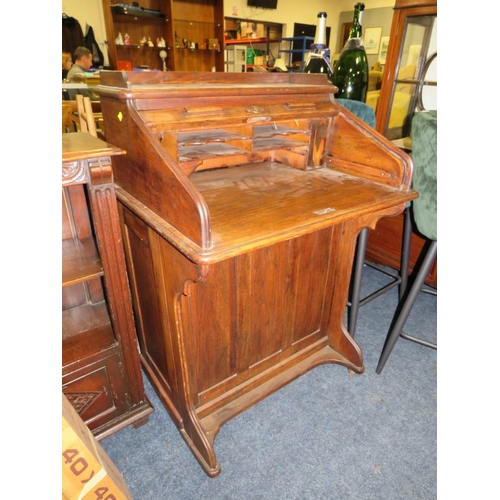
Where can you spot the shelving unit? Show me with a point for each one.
(195, 21)
(290, 50)
(101, 374)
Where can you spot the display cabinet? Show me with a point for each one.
(198, 35)
(193, 31)
(409, 55)
(101, 374)
(406, 63)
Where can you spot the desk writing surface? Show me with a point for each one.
(269, 200)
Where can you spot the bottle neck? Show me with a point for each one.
(356, 29)
(320, 36)
(319, 48)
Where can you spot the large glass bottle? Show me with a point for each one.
(319, 57)
(350, 73)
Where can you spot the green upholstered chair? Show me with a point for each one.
(398, 277)
(424, 154)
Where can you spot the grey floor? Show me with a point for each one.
(327, 435)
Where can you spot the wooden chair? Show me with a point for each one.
(70, 122)
(86, 115)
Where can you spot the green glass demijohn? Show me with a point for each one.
(350, 73)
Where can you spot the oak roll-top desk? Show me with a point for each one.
(241, 197)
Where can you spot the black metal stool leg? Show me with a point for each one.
(405, 253)
(359, 262)
(407, 306)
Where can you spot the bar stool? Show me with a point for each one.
(398, 277)
(424, 154)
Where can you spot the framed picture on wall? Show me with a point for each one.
(384, 45)
(372, 40)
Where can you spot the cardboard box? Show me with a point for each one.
(260, 31)
(87, 472)
(246, 29)
(274, 33)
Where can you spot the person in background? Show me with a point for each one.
(83, 62)
(66, 64)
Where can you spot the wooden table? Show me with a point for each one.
(241, 198)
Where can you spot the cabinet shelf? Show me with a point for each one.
(272, 130)
(87, 318)
(206, 136)
(87, 331)
(130, 11)
(197, 49)
(80, 261)
(192, 22)
(275, 143)
(136, 46)
(248, 41)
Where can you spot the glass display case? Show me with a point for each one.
(409, 79)
(409, 84)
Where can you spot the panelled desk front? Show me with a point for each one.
(241, 197)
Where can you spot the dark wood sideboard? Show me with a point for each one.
(241, 197)
(101, 374)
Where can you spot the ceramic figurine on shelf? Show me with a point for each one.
(150, 42)
(127, 39)
(161, 42)
(163, 55)
(119, 39)
(177, 42)
(143, 42)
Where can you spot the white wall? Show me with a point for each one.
(291, 11)
(288, 12)
(89, 12)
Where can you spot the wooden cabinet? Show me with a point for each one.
(404, 71)
(101, 374)
(192, 21)
(198, 21)
(407, 55)
(241, 198)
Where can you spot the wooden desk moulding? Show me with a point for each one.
(101, 374)
(241, 197)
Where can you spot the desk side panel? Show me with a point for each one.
(357, 149)
(150, 175)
